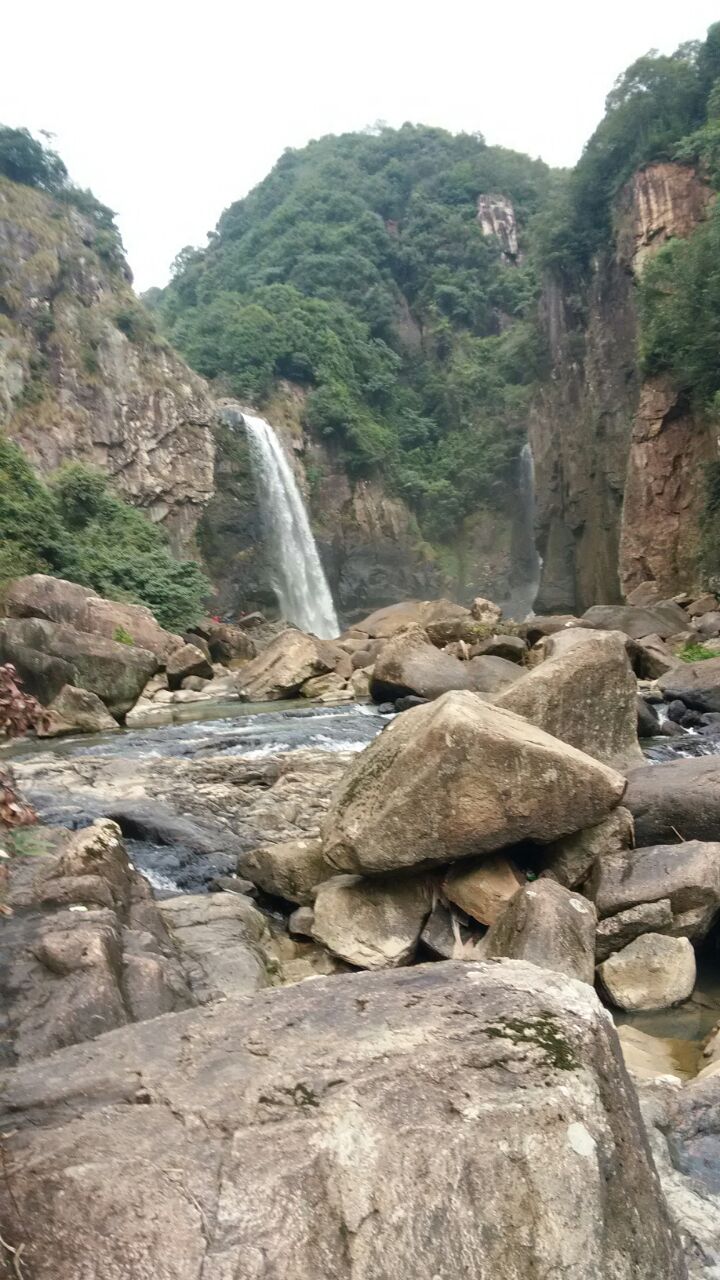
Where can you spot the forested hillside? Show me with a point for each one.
(360, 269)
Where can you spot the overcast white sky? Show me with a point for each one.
(170, 110)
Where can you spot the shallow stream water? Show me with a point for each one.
(255, 732)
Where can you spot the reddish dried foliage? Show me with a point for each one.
(19, 711)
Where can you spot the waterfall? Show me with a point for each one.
(527, 563)
(296, 573)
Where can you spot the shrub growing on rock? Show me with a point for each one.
(77, 528)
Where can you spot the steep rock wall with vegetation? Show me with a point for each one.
(624, 429)
(84, 375)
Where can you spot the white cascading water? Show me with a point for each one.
(527, 561)
(527, 491)
(297, 575)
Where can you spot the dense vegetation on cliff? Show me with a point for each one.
(659, 109)
(77, 347)
(359, 269)
(77, 528)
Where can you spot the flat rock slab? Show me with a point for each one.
(676, 801)
(697, 684)
(452, 1120)
(686, 875)
(660, 620)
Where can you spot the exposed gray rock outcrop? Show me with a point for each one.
(273, 1136)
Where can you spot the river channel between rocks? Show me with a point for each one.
(191, 796)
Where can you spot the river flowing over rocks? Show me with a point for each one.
(287, 985)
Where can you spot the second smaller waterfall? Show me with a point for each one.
(297, 575)
(527, 563)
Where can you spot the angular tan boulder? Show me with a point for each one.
(79, 711)
(41, 596)
(451, 1120)
(328, 688)
(290, 869)
(585, 693)
(571, 859)
(653, 972)
(410, 664)
(483, 889)
(456, 778)
(485, 611)
(547, 925)
(373, 924)
(278, 672)
(187, 660)
(385, 622)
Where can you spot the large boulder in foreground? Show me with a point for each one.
(679, 800)
(548, 926)
(49, 655)
(585, 693)
(661, 620)
(279, 671)
(686, 875)
(326, 1129)
(410, 664)
(460, 777)
(55, 600)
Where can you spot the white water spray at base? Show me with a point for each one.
(297, 575)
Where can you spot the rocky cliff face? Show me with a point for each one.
(617, 462)
(83, 375)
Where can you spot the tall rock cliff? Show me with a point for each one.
(83, 374)
(618, 460)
